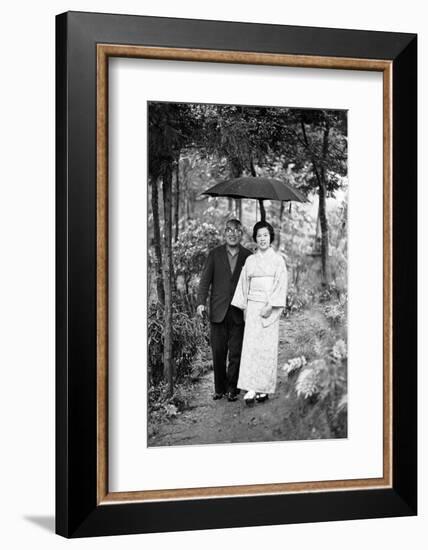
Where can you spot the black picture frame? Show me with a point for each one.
(78, 511)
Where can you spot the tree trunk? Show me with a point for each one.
(324, 232)
(167, 277)
(281, 213)
(317, 228)
(322, 207)
(262, 210)
(157, 241)
(239, 209)
(230, 205)
(177, 203)
(320, 175)
(187, 202)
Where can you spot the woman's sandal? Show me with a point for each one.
(249, 398)
(261, 397)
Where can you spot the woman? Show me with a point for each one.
(261, 292)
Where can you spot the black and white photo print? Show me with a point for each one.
(247, 274)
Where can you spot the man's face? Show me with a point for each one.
(233, 235)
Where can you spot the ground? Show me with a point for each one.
(283, 417)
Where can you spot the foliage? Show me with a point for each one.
(190, 335)
(316, 365)
(294, 364)
(324, 382)
(251, 136)
(197, 172)
(296, 301)
(163, 406)
(191, 249)
(171, 128)
(304, 262)
(307, 384)
(335, 312)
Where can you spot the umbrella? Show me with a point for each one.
(254, 187)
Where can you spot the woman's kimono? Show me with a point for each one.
(263, 281)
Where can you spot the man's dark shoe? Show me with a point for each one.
(231, 396)
(217, 396)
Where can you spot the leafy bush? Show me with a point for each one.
(297, 300)
(190, 335)
(324, 381)
(190, 252)
(335, 313)
(313, 337)
(294, 364)
(162, 405)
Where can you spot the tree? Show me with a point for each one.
(171, 129)
(323, 135)
(177, 202)
(234, 132)
(314, 142)
(168, 275)
(157, 239)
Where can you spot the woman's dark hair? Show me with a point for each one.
(260, 225)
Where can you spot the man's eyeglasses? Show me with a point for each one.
(230, 231)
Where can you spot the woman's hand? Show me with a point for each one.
(266, 311)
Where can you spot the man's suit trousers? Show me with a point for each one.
(226, 340)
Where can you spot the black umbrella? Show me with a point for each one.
(254, 187)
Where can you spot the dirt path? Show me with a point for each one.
(282, 417)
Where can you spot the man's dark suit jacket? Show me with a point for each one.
(223, 283)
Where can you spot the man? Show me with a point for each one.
(221, 274)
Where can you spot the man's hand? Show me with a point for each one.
(200, 310)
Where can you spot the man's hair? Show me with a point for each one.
(260, 225)
(235, 223)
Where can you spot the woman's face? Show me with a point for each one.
(263, 238)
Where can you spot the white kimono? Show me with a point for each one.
(263, 281)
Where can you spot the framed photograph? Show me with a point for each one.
(236, 274)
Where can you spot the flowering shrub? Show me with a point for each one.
(294, 364)
(325, 380)
(339, 351)
(307, 384)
